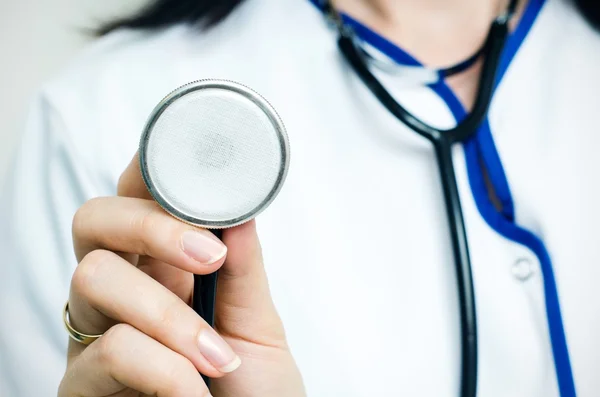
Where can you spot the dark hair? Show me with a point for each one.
(164, 13)
(206, 13)
(591, 11)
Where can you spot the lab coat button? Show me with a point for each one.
(522, 269)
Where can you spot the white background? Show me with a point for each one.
(37, 37)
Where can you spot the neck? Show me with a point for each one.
(438, 33)
(392, 9)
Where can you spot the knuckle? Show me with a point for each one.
(112, 343)
(170, 317)
(62, 387)
(181, 365)
(81, 218)
(146, 220)
(146, 223)
(181, 368)
(86, 272)
(65, 385)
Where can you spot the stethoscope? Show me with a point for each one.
(232, 156)
(442, 141)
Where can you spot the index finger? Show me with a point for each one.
(131, 183)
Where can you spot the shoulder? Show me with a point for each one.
(570, 38)
(573, 61)
(128, 60)
(102, 97)
(561, 59)
(107, 92)
(143, 66)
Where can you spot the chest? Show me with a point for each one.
(358, 253)
(357, 243)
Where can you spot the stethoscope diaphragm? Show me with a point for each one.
(214, 153)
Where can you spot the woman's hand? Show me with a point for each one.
(134, 282)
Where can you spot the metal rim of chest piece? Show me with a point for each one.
(231, 87)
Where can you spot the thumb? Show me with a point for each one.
(245, 309)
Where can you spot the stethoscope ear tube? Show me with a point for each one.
(442, 141)
(464, 130)
(487, 82)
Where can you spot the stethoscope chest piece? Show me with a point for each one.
(214, 153)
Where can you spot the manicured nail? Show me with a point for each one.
(204, 249)
(218, 352)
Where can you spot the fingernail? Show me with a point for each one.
(202, 248)
(218, 352)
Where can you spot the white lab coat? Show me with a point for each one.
(356, 245)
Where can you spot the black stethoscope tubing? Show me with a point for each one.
(442, 141)
(204, 296)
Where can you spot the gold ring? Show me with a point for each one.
(73, 333)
